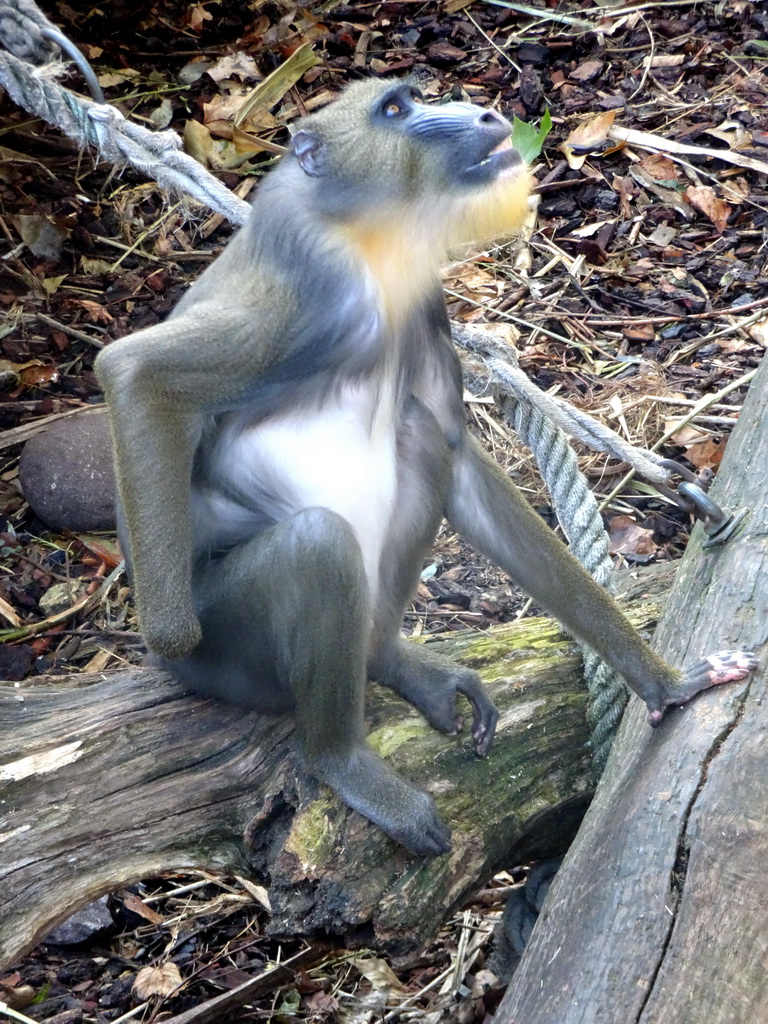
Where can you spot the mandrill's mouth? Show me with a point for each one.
(502, 161)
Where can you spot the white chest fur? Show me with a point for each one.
(341, 456)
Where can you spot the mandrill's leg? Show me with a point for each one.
(286, 623)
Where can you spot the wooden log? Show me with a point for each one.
(658, 914)
(108, 781)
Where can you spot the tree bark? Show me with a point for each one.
(108, 781)
(659, 912)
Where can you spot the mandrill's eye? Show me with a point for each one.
(393, 109)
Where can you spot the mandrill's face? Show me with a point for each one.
(449, 168)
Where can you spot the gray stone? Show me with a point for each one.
(60, 597)
(83, 925)
(67, 474)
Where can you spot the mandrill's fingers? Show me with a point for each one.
(484, 714)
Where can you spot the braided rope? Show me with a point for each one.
(158, 155)
(542, 422)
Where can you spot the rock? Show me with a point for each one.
(60, 597)
(83, 925)
(67, 474)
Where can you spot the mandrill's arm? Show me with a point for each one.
(489, 511)
(160, 384)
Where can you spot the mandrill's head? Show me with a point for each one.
(379, 156)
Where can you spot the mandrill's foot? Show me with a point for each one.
(712, 670)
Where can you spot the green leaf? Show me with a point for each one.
(527, 140)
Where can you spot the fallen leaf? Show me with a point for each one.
(41, 235)
(198, 142)
(197, 16)
(156, 981)
(34, 375)
(379, 973)
(138, 906)
(629, 538)
(733, 133)
(660, 167)
(704, 199)
(639, 332)
(234, 65)
(162, 115)
(587, 71)
(662, 236)
(321, 1002)
(707, 454)
(685, 436)
(51, 284)
(588, 138)
(759, 332)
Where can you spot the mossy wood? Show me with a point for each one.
(659, 914)
(105, 781)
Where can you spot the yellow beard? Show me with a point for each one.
(404, 247)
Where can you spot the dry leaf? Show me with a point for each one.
(234, 65)
(321, 1003)
(759, 332)
(660, 167)
(41, 235)
(734, 134)
(219, 114)
(156, 981)
(35, 375)
(704, 199)
(587, 71)
(138, 906)
(258, 892)
(197, 16)
(685, 436)
(589, 137)
(662, 236)
(198, 142)
(379, 973)
(629, 538)
(51, 284)
(639, 332)
(707, 454)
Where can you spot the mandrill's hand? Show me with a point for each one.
(712, 670)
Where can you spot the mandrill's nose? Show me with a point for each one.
(490, 117)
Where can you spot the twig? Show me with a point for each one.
(545, 15)
(711, 314)
(15, 1015)
(705, 403)
(17, 435)
(71, 331)
(218, 1008)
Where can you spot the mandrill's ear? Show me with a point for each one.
(310, 152)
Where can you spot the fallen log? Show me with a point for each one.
(106, 781)
(658, 914)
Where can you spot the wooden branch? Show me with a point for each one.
(658, 914)
(108, 781)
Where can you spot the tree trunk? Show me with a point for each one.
(109, 781)
(659, 912)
